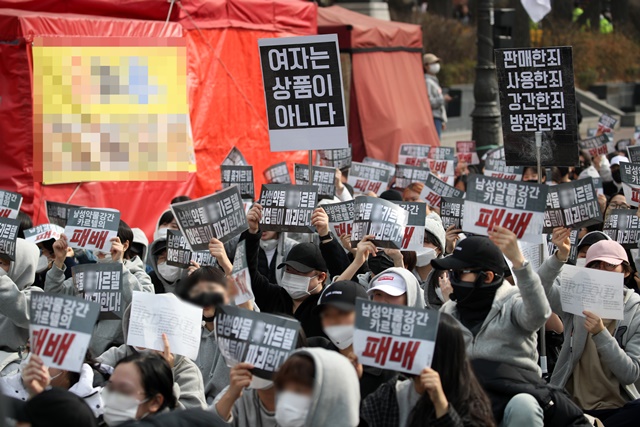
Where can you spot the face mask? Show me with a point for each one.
(208, 299)
(425, 256)
(260, 383)
(616, 175)
(2, 272)
(292, 409)
(581, 262)
(118, 407)
(439, 293)
(434, 68)
(379, 263)
(269, 245)
(473, 295)
(161, 233)
(43, 264)
(341, 335)
(168, 272)
(295, 285)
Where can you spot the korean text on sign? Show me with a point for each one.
(288, 207)
(92, 229)
(102, 284)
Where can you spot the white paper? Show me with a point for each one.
(597, 291)
(152, 315)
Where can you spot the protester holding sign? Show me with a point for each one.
(433, 247)
(600, 359)
(274, 248)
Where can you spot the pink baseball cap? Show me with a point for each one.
(607, 251)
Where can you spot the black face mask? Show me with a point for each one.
(616, 176)
(476, 296)
(208, 299)
(379, 263)
(535, 181)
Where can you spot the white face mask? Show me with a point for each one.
(43, 264)
(258, 383)
(118, 407)
(434, 68)
(161, 233)
(292, 409)
(340, 335)
(295, 285)
(425, 256)
(581, 262)
(102, 257)
(170, 273)
(269, 245)
(2, 272)
(439, 293)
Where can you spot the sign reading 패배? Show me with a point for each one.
(623, 226)
(393, 337)
(261, 339)
(240, 274)
(435, 189)
(466, 152)
(405, 175)
(497, 168)
(573, 205)
(441, 160)
(365, 178)
(341, 216)
(288, 207)
(8, 235)
(414, 154)
(517, 206)
(380, 218)
(235, 158)
(42, 233)
(155, 314)
(537, 95)
(606, 123)
(102, 284)
(92, 229)
(220, 215)
(600, 145)
(451, 212)
(339, 158)
(179, 254)
(630, 174)
(242, 176)
(10, 203)
(303, 90)
(277, 174)
(597, 291)
(58, 212)
(60, 329)
(414, 231)
(324, 178)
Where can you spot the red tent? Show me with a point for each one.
(388, 100)
(225, 90)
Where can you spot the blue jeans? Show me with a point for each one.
(523, 410)
(438, 123)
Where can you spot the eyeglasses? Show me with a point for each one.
(619, 206)
(604, 266)
(457, 274)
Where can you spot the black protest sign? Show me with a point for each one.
(277, 174)
(414, 231)
(58, 212)
(537, 94)
(384, 220)
(380, 164)
(10, 203)
(288, 207)
(517, 206)
(466, 152)
(341, 217)
(600, 145)
(8, 235)
(414, 154)
(92, 229)
(572, 205)
(220, 215)
(405, 175)
(339, 158)
(606, 123)
(634, 153)
(597, 183)
(623, 226)
(324, 178)
(435, 189)
(630, 173)
(364, 178)
(441, 160)
(303, 90)
(102, 284)
(573, 252)
(235, 158)
(394, 337)
(451, 212)
(179, 254)
(263, 340)
(497, 168)
(242, 176)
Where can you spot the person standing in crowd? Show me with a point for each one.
(433, 248)
(317, 388)
(437, 99)
(599, 363)
(274, 248)
(447, 394)
(412, 192)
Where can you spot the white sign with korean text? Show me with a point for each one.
(597, 291)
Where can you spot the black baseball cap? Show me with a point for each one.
(53, 407)
(341, 295)
(305, 257)
(474, 252)
(592, 238)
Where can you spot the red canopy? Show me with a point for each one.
(388, 103)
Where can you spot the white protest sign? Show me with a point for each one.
(10, 203)
(597, 291)
(240, 274)
(42, 233)
(92, 229)
(153, 315)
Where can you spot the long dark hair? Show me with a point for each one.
(459, 383)
(126, 235)
(156, 375)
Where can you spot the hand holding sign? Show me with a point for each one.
(593, 323)
(35, 376)
(561, 237)
(60, 247)
(430, 383)
(217, 250)
(254, 217)
(320, 220)
(507, 241)
(117, 250)
(365, 249)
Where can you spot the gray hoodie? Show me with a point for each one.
(620, 352)
(336, 390)
(509, 334)
(415, 297)
(153, 262)
(106, 333)
(15, 294)
(212, 365)
(247, 411)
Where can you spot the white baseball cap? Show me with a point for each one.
(390, 283)
(619, 159)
